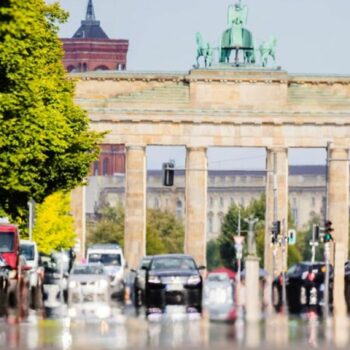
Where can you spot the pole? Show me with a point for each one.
(313, 243)
(326, 246)
(275, 202)
(30, 220)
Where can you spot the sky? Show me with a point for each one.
(313, 37)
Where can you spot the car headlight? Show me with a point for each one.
(195, 279)
(73, 284)
(153, 279)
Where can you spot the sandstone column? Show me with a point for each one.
(135, 205)
(276, 177)
(196, 203)
(78, 213)
(338, 202)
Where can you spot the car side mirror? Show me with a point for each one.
(126, 265)
(202, 267)
(144, 268)
(133, 270)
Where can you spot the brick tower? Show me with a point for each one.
(90, 49)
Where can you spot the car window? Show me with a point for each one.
(170, 263)
(105, 259)
(28, 251)
(87, 270)
(218, 277)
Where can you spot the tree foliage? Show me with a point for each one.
(164, 233)
(45, 144)
(54, 226)
(229, 229)
(109, 228)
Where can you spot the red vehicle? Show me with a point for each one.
(10, 253)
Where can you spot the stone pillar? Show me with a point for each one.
(338, 210)
(196, 203)
(276, 160)
(252, 289)
(135, 205)
(78, 213)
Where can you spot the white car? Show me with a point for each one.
(112, 258)
(29, 250)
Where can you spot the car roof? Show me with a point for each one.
(26, 241)
(160, 256)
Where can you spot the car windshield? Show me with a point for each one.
(28, 251)
(7, 242)
(218, 277)
(170, 263)
(88, 270)
(105, 259)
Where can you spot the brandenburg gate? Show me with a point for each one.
(225, 105)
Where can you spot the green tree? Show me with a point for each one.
(213, 254)
(165, 233)
(54, 226)
(109, 228)
(229, 229)
(45, 144)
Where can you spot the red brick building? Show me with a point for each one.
(111, 162)
(90, 49)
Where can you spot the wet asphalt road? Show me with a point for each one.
(125, 329)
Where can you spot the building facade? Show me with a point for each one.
(90, 49)
(307, 193)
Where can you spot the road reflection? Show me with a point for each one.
(127, 329)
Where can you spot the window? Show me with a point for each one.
(105, 167)
(313, 202)
(295, 215)
(178, 208)
(95, 168)
(211, 202)
(210, 222)
(221, 202)
(156, 203)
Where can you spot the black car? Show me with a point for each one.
(4, 286)
(347, 284)
(304, 287)
(139, 281)
(173, 279)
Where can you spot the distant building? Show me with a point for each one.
(90, 49)
(110, 162)
(307, 193)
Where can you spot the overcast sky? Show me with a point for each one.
(313, 37)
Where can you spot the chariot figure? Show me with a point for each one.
(236, 36)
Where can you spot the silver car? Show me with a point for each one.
(89, 291)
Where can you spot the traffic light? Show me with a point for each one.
(276, 230)
(328, 231)
(168, 174)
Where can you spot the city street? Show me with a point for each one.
(175, 330)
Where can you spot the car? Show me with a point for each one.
(88, 291)
(139, 281)
(4, 285)
(173, 279)
(112, 258)
(347, 284)
(29, 250)
(304, 287)
(219, 297)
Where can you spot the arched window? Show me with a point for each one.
(101, 67)
(210, 222)
(105, 167)
(221, 202)
(313, 202)
(211, 202)
(71, 69)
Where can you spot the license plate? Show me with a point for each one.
(174, 287)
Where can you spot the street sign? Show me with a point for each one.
(239, 246)
(292, 237)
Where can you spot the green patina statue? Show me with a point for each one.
(236, 37)
(268, 48)
(204, 50)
